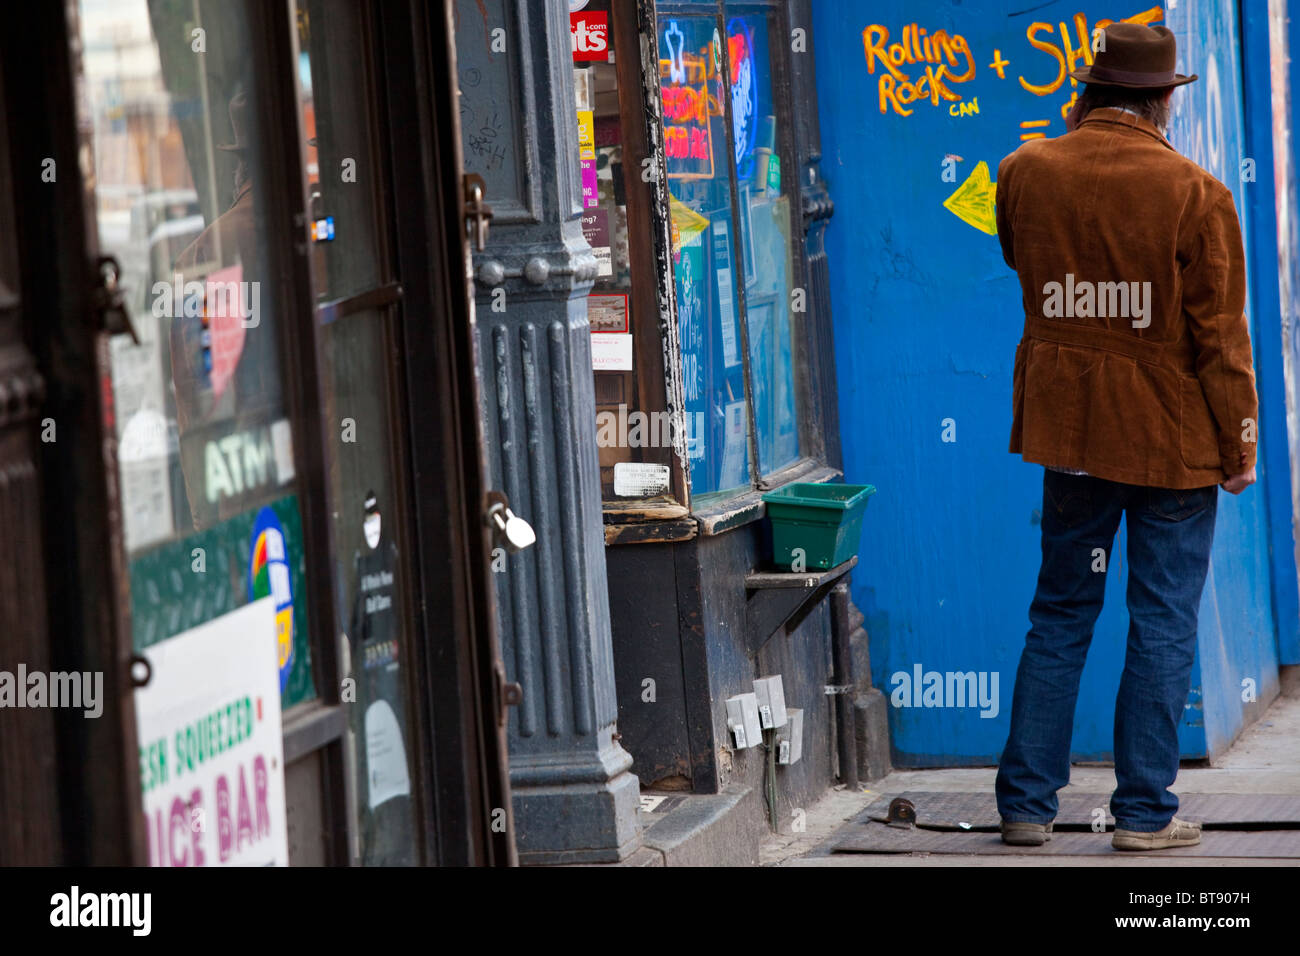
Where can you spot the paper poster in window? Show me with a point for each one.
(607, 312)
(726, 300)
(689, 277)
(222, 568)
(611, 352)
(745, 203)
(586, 134)
(735, 449)
(595, 229)
(211, 750)
(374, 635)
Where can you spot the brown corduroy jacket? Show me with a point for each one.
(1149, 382)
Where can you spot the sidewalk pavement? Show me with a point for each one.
(1264, 759)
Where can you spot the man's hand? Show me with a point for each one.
(1236, 484)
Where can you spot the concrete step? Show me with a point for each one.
(721, 829)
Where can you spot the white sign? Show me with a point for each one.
(142, 435)
(640, 479)
(211, 751)
(735, 448)
(611, 351)
(385, 754)
(722, 249)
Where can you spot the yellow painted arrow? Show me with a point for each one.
(973, 202)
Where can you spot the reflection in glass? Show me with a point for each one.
(340, 170)
(205, 449)
(361, 471)
(621, 402)
(704, 254)
(765, 226)
(370, 586)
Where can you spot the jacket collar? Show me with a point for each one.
(1118, 117)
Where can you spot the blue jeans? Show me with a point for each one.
(1169, 538)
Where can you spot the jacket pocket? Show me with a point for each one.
(1198, 434)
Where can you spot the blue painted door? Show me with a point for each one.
(919, 101)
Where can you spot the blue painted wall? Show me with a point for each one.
(1272, 206)
(927, 317)
(1287, 129)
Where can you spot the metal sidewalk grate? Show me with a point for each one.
(1242, 825)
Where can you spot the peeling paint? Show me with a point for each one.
(662, 236)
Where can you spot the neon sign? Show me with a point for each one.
(744, 89)
(683, 87)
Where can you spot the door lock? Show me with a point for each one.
(508, 528)
(477, 212)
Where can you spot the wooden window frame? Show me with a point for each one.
(654, 259)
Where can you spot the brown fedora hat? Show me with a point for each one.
(1134, 56)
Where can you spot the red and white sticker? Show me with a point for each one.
(589, 33)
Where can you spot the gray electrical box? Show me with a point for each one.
(743, 722)
(789, 739)
(771, 701)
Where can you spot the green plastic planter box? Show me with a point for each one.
(824, 520)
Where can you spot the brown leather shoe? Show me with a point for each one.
(1025, 834)
(1177, 833)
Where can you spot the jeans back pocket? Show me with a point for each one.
(1069, 498)
(1179, 504)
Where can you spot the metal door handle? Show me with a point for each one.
(477, 212)
(508, 529)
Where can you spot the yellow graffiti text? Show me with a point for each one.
(941, 53)
(1072, 51)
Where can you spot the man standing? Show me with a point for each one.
(1134, 387)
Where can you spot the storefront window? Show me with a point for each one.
(704, 254)
(765, 230)
(206, 466)
(721, 211)
(357, 396)
(346, 245)
(206, 470)
(604, 226)
(635, 435)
